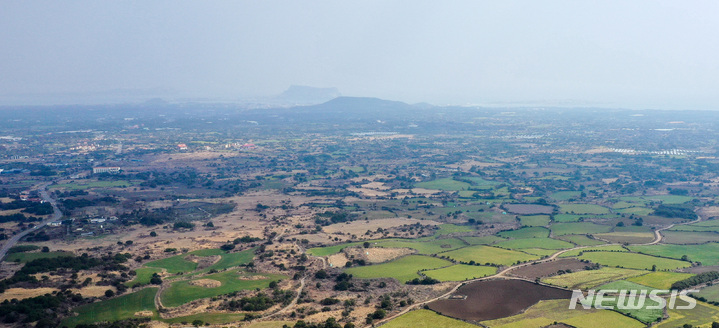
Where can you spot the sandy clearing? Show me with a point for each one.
(207, 283)
(23, 293)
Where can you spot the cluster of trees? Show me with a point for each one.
(17, 217)
(673, 211)
(70, 204)
(699, 279)
(44, 309)
(28, 207)
(423, 281)
(331, 322)
(328, 217)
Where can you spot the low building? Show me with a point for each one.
(111, 170)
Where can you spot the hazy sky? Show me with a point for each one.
(636, 54)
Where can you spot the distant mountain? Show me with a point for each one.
(358, 104)
(304, 95)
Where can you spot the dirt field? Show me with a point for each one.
(494, 299)
(546, 269)
(23, 293)
(361, 226)
(207, 283)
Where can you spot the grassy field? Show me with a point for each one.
(711, 293)
(565, 195)
(539, 251)
(636, 210)
(330, 250)
(530, 232)
(626, 285)
(591, 278)
(547, 312)
(402, 269)
(27, 257)
(642, 314)
(426, 319)
(174, 264)
(660, 280)
(633, 260)
(230, 260)
(689, 237)
(702, 315)
(705, 253)
(446, 229)
(181, 292)
(460, 272)
(92, 184)
(446, 184)
(669, 199)
(424, 247)
(622, 237)
(567, 218)
(581, 240)
(487, 254)
(578, 228)
(607, 248)
(118, 308)
(211, 318)
(486, 240)
(142, 277)
(583, 209)
(534, 220)
(545, 243)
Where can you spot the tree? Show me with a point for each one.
(45, 249)
(109, 293)
(198, 323)
(365, 244)
(153, 234)
(156, 280)
(654, 267)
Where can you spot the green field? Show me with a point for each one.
(702, 315)
(330, 250)
(123, 307)
(689, 237)
(606, 248)
(425, 319)
(711, 293)
(565, 195)
(705, 253)
(534, 220)
(27, 257)
(230, 260)
(402, 269)
(486, 240)
(578, 228)
(583, 209)
(142, 277)
(529, 232)
(581, 240)
(539, 251)
(660, 280)
(92, 184)
(591, 278)
(446, 184)
(566, 217)
(446, 229)
(211, 318)
(547, 312)
(424, 247)
(545, 243)
(633, 260)
(174, 264)
(623, 237)
(643, 211)
(460, 272)
(181, 292)
(487, 254)
(642, 314)
(626, 285)
(669, 199)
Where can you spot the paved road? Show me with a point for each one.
(56, 215)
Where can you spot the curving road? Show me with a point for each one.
(56, 215)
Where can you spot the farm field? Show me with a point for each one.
(402, 269)
(578, 228)
(424, 247)
(606, 248)
(545, 243)
(633, 260)
(626, 285)
(702, 315)
(704, 253)
(493, 299)
(529, 232)
(487, 254)
(539, 251)
(174, 264)
(210, 318)
(447, 184)
(660, 280)
(581, 240)
(527, 209)
(565, 195)
(92, 184)
(566, 217)
(591, 278)
(627, 237)
(583, 209)
(181, 292)
(689, 237)
(549, 268)
(445, 229)
(546, 312)
(635, 210)
(534, 220)
(330, 250)
(710, 293)
(426, 319)
(460, 272)
(229, 260)
(486, 240)
(123, 307)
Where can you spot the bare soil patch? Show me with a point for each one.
(361, 226)
(207, 283)
(23, 293)
(494, 299)
(143, 314)
(377, 254)
(546, 269)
